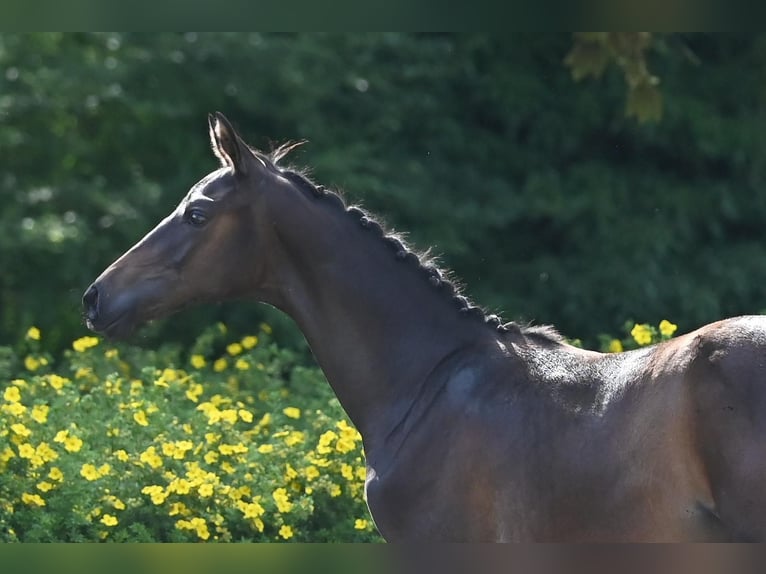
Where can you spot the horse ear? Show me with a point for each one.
(227, 144)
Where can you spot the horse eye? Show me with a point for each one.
(196, 217)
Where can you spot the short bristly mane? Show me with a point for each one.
(439, 278)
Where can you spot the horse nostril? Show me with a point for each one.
(90, 302)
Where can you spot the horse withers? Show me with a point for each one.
(473, 429)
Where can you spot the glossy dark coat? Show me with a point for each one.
(473, 430)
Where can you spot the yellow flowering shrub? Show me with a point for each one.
(638, 335)
(118, 443)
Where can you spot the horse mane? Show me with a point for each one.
(437, 276)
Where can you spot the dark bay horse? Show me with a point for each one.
(473, 430)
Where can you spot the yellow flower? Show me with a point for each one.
(44, 486)
(15, 409)
(7, 454)
(20, 430)
(56, 474)
(345, 444)
(361, 473)
(12, 394)
(346, 430)
(245, 415)
(177, 449)
(286, 532)
(109, 520)
(266, 448)
(83, 372)
(234, 349)
(150, 457)
(229, 416)
(84, 343)
(140, 418)
(205, 490)
(615, 346)
(346, 471)
(72, 444)
(31, 363)
(211, 457)
(121, 455)
(26, 450)
(220, 365)
(111, 353)
(228, 449)
(161, 382)
(193, 392)
(169, 375)
(177, 508)
(33, 333)
(311, 472)
(156, 493)
(180, 486)
(642, 334)
(667, 328)
(295, 437)
(265, 420)
(323, 446)
(40, 413)
(45, 452)
(282, 499)
(89, 472)
(250, 510)
(360, 524)
(116, 503)
(290, 472)
(58, 382)
(197, 524)
(241, 365)
(249, 342)
(335, 490)
(197, 361)
(32, 499)
(292, 412)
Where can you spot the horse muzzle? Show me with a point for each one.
(90, 301)
(104, 314)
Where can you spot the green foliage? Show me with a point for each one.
(594, 51)
(230, 442)
(543, 197)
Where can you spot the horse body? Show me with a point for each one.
(472, 430)
(552, 443)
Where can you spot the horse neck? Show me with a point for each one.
(376, 325)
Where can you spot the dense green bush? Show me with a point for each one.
(538, 191)
(227, 442)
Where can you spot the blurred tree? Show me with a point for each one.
(540, 193)
(592, 52)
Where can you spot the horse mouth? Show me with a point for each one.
(117, 328)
